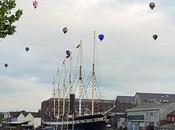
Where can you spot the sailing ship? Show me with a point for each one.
(80, 120)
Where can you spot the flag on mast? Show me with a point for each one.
(78, 46)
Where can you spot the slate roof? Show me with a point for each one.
(150, 107)
(156, 97)
(16, 114)
(125, 99)
(168, 126)
(171, 113)
(35, 114)
(25, 113)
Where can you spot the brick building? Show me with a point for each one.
(47, 109)
(122, 103)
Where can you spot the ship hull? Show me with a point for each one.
(91, 126)
(92, 122)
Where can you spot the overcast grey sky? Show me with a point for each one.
(129, 60)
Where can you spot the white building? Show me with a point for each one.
(148, 115)
(33, 120)
(21, 118)
(24, 119)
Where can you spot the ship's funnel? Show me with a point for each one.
(72, 104)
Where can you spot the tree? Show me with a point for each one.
(8, 16)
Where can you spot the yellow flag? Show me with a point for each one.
(78, 45)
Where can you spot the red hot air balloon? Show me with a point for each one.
(35, 4)
(155, 36)
(65, 30)
(152, 5)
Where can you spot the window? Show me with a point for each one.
(151, 113)
(169, 119)
(136, 117)
(155, 114)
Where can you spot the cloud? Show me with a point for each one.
(22, 93)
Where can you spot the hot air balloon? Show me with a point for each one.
(5, 65)
(65, 30)
(152, 5)
(101, 37)
(68, 53)
(27, 49)
(35, 4)
(155, 36)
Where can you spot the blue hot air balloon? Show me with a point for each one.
(101, 37)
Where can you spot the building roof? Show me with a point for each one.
(16, 114)
(85, 100)
(35, 114)
(168, 126)
(146, 107)
(25, 113)
(171, 113)
(125, 99)
(156, 97)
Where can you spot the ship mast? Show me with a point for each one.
(70, 74)
(58, 91)
(53, 83)
(70, 84)
(93, 74)
(64, 89)
(58, 101)
(80, 79)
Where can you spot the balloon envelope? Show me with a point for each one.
(68, 53)
(155, 36)
(101, 37)
(27, 49)
(152, 5)
(6, 65)
(35, 4)
(67, 56)
(65, 30)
